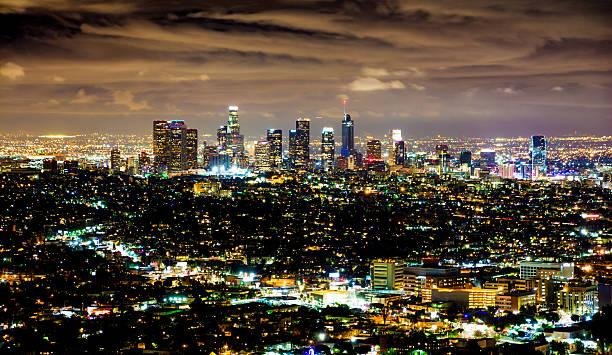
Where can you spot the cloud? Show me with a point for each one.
(204, 77)
(58, 79)
(126, 98)
(82, 97)
(178, 79)
(417, 87)
(557, 89)
(376, 72)
(12, 70)
(507, 91)
(374, 84)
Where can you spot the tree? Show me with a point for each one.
(600, 328)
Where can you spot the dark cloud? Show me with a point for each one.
(426, 67)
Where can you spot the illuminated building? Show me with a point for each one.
(387, 274)
(399, 152)
(263, 159)
(115, 160)
(507, 171)
(578, 298)
(465, 298)
(174, 146)
(487, 157)
(299, 144)
(465, 158)
(396, 135)
(191, 148)
(233, 124)
(374, 150)
(275, 138)
(161, 138)
(513, 301)
(529, 269)
(327, 149)
(222, 138)
(538, 156)
(144, 163)
(348, 134)
(443, 158)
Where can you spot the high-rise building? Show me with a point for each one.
(115, 160)
(399, 152)
(233, 125)
(191, 148)
(396, 135)
(174, 145)
(348, 136)
(387, 275)
(263, 158)
(538, 156)
(507, 170)
(327, 149)
(373, 151)
(161, 138)
(301, 157)
(465, 158)
(487, 157)
(144, 163)
(275, 137)
(222, 138)
(443, 157)
(177, 145)
(578, 298)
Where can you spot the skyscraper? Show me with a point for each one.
(399, 152)
(233, 125)
(443, 157)
(263, 159)
(293, 142)
(191, 148)
(487, 157)
(174, 146)
(161, 137)
(538, 156)
(348, 135)
(275, 137)
(373, 151)
(302, 143)
(327, 149)
(465, 158)
(115, 160)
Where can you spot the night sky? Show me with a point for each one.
(446, 67)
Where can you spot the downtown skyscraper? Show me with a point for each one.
(327, 149)
(299, 144)
(348, 135)
(230, 141)
(175, 146)
(538, 156)
(275, 138)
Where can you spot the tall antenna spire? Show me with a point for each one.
(344, 102)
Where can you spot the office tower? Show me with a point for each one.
(50, 165)
(487, 157)
(222, 138)
(115, 160)
(131, 165)
(71, 166)
(233, 125)
(172, 146)
(327, 149)
(387, 275)
(302, 143)
(465, 158)
(373, 151)
(263, 158)
(191, 148)
(293, 146)
(443, 157)
(538, 156)
(531, 269)
(144, 163)
(208, 152)
(275, 137)
(177, 145)
(348, 136)
(399, 152)
(161, 136)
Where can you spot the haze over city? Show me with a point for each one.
(454, 68)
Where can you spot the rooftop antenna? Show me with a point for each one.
(344, 102)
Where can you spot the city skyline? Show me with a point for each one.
(460, 69)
